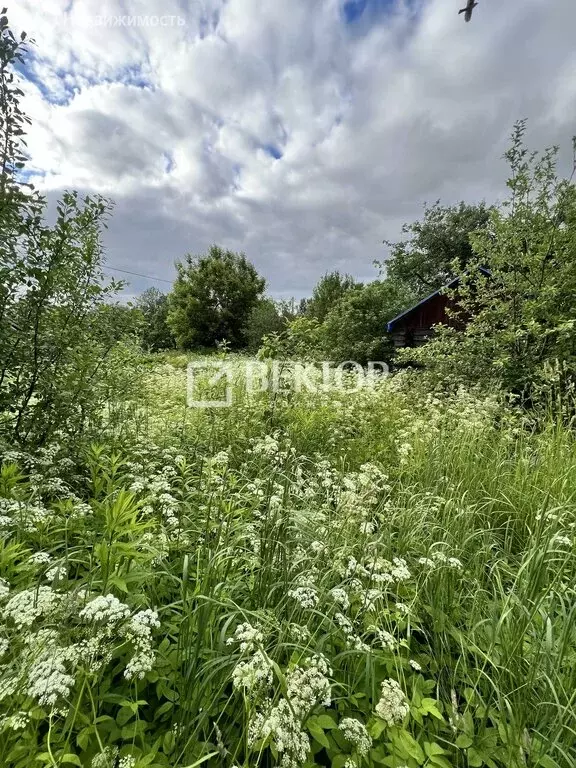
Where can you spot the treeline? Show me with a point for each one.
(218, 298)
(512, 323)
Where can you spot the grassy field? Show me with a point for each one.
(379, 578)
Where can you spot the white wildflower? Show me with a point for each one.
(280, 724)
(308, 685)
(105, 759)
(254, 674)
(48, 680)
(105, 608)
(16, 722)
(26, 606)
(128, 761)
(340, 596)
(387, 640)
(355, 732)
(307, 597)
(393, 705)
(248, 636)
(139, 631)
(40, 558)
(56, 573)
(415, 665)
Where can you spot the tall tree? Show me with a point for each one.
(437, 248)
(212, 299)
(355, 329)
(520, 330)
(264, 319)
(155, 333)
(327, 293)
(57, 327)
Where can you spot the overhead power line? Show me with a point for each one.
(138, 274)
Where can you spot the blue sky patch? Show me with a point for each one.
(272, 150)
(353, 9)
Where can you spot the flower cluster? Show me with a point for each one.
(27, 606)
(355, 732)
(393, 705)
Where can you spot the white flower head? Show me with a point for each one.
(355, 732)
(393, 705)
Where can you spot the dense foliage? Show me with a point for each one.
(155, 334)
(437, 248)
(519, 329)
(212, 299)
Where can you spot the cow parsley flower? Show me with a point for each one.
(26, 606)
(307, 597)
(393, 705)
(355, 732)
(387, 640)
(254, 674)
(139, 631)
(128, 761)
(48, 680)
(415, 665)
(280, 723)
(106, 609)
(40, 558)
(105, 759)
(56, 573)
(340, 596)
(248, 636)
(16, 722)
(308, 685)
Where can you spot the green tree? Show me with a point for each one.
(437, 249)
(330, 289)
(355, 329)
(264, 319)
(155, 332)
(58, 336)
(519, 328)
(212, 299)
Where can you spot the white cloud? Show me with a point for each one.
(278, 129)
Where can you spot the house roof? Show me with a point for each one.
(451, 284)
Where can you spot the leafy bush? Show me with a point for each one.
(519, 322)
(57, 333)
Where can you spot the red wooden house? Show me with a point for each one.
(415, 326)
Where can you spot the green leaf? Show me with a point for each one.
(475, 759)
(326, 722)
(70, 758)
(376, 728)
(431, 749)
(411, 746)
(440, 761)
(429, 707)
(464, 741)
(317, 733)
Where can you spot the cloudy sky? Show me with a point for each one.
(302, 132)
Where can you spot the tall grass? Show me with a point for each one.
(298, 553)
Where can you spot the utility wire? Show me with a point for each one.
(137, 274)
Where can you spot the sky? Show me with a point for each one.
(301, 132)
